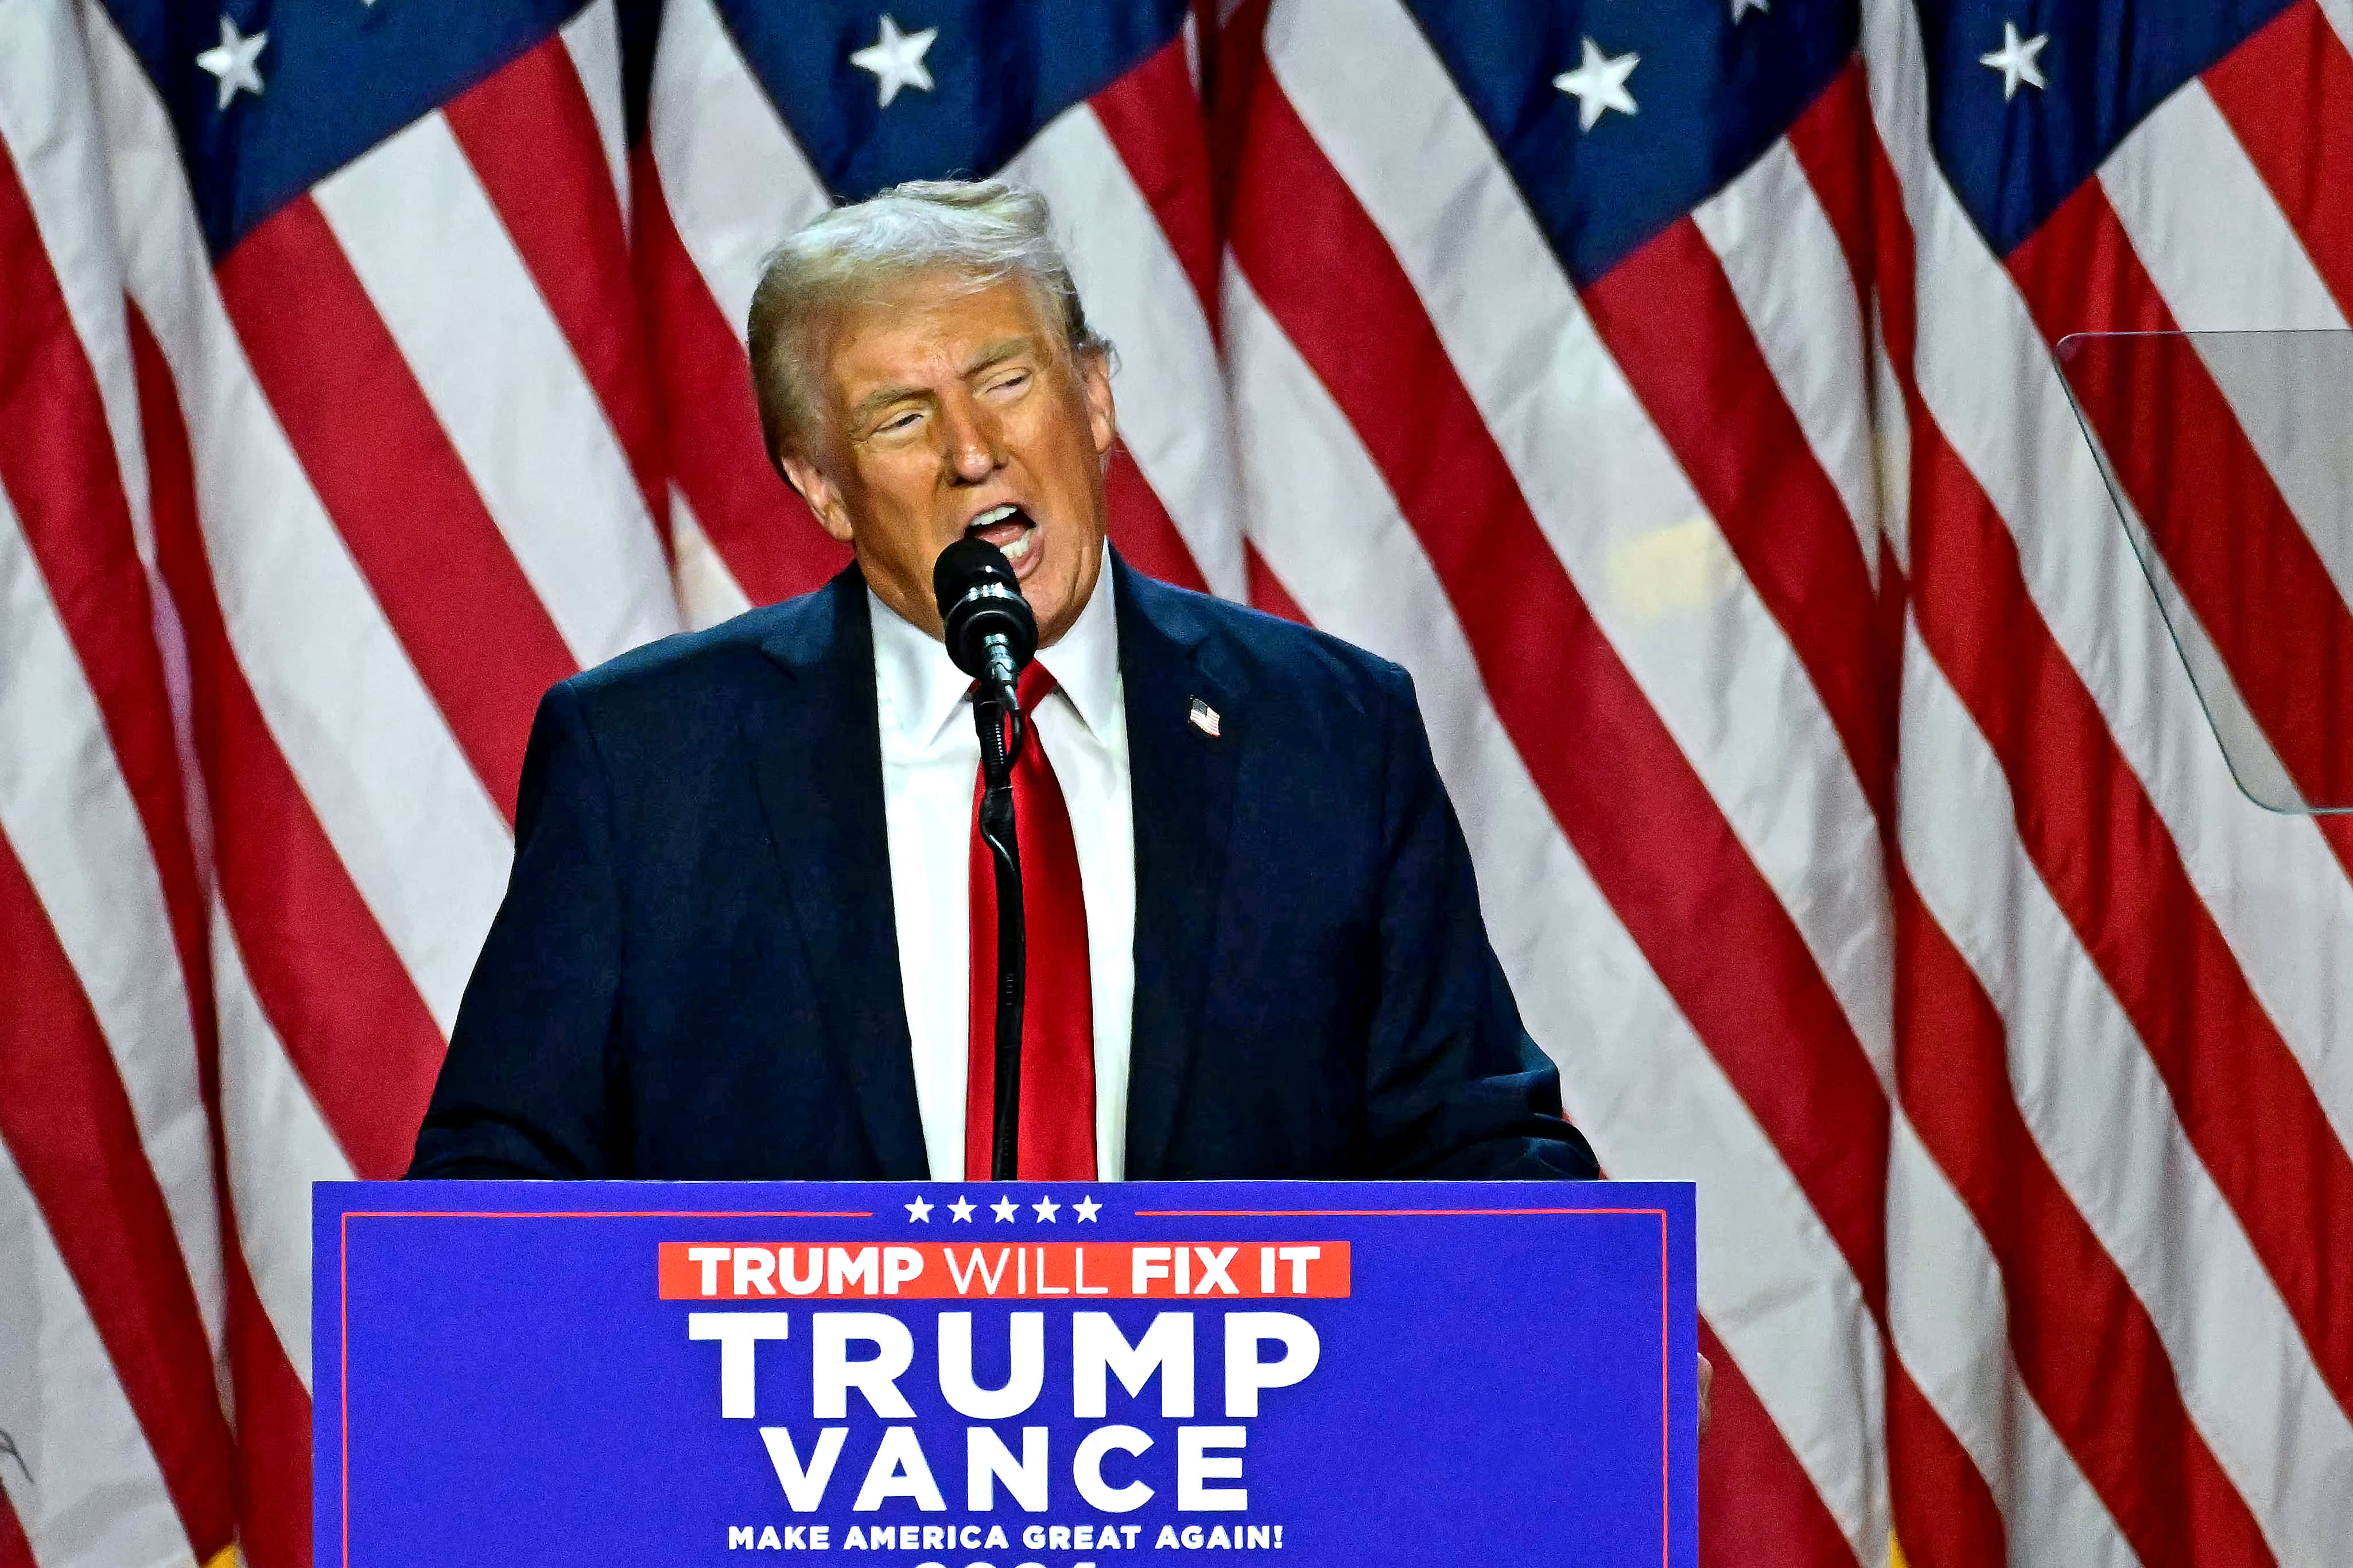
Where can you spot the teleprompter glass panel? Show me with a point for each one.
(2229, 457)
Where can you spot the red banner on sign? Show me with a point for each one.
(759, 1271)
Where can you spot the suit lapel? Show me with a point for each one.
(816, 754)
(1181, 782)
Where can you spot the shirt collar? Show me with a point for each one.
(1085, 663)
(923, 690)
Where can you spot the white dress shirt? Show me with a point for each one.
(931, 758)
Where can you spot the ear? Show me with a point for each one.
(823, 497)
(1102, 416)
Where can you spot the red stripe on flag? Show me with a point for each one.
(2109, 861)
(273, 1431)
(2210, 505)
(1141, 528)
(762, 529)
(1945, 1514)
(58, 464)
(397, 490)
(1625, 795)
(2243, 561)
(1670, 318)
(1234, 66)
(2085, 1346)
(16, 1552)
(531, 134)
(1154, 119)
(2287, 93)
(1831, 142)
(69, 1125)
(346, 1009)
(1757, 1507)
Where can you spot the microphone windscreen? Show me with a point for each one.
(968, 565)
(980, 598)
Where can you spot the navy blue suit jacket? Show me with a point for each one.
(695, 971)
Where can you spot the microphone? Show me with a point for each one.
(991, 633)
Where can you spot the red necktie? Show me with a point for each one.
(1058, 1035)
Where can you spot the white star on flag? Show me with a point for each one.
(2015, 60)
(961, 1209)
(1004, 1209)
(1599, 85)
(896, 59)
(1047, 1208)
(920, 1212)
(1086, 1209)
(231, 62)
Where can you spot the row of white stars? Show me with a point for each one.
(896, 61)
(1598, 83)
(961, 1211)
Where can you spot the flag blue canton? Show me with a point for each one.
(2014, 157)
(999, 71)
(336, 80)
(1710, 93)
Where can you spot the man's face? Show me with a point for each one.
(943, 406)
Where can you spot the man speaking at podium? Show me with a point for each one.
(751, 932)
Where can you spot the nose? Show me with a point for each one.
(975, 447)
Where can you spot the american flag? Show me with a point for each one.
(1667, 383)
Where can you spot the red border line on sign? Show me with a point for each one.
(344, 1282)
(1361, 1213)
(344, 1391)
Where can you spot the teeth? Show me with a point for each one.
(1021, 547)
(993, 516)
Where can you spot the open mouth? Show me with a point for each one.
(1008, 528)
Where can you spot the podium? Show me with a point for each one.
(951, 1376)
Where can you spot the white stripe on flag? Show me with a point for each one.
(437, 261)
(408, 818)
(2106, 1122)
(592, 38)
(277, 1144)
(708, 593)
(1171, 406)
(1787, 268)
(2211, 237)
(1891, 442)
(1988, 381)
(87, 1490)
(48, 122)
(737, 181)
(2207, 228)
(1652, 1099)
(1647, 560)
(1949, 1316)
(2340, 17)
(65, 805)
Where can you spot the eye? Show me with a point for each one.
(899, 424)
(1012, 382)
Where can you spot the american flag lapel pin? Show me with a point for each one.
(1205, 718)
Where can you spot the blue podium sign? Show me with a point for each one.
(963, 1376)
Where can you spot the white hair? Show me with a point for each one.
(984, 231)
